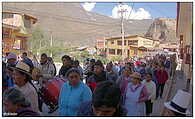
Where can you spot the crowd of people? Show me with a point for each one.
(124, 88)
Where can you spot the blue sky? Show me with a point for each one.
(148, 9)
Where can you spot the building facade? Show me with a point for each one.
(185, 34)
(134, 45)
(101, 46)
(15, 31)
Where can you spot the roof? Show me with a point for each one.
(82, 48)
(130, 36)
(142, 48)
(26, 15)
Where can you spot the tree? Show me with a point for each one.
(36, 40)
(116, 58)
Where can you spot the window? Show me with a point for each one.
(128, 53)
(17, 44)
(112, 42)
(181, 39)
(119, 51)
(125, 43)
(133, 42)
(6, 34)
(7, 15)
(119, 42)
(112, 51)
(135, 51)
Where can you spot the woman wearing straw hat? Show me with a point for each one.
(135, 96)
(178, 105)
(22, 77)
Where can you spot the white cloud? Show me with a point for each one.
(88, 6)
(138, 14)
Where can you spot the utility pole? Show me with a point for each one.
(122, 11)
(51, 43)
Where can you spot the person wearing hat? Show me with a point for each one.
(73, 93)
(11, 58)
(178, 105)
(22, 78)
(135, 96)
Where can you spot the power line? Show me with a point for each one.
(131, 11)
(77, 22)
(62, 16)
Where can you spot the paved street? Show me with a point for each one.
(180, 84)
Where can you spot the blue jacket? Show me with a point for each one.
(71, 97)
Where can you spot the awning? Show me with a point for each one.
(142, 48)
(10, 26)
(23, 35)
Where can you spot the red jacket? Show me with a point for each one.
(162, 77)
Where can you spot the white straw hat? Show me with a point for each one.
(23, 67)
(180, 102)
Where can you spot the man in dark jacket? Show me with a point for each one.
(67, 64)
(27, 60)
(111, 74)
(98, 76)
(105, 102)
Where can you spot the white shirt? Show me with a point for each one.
(31, 95)
(151, 89)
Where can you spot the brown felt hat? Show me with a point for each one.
(136, 75)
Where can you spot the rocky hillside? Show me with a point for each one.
(71, 25)
(163, 29)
